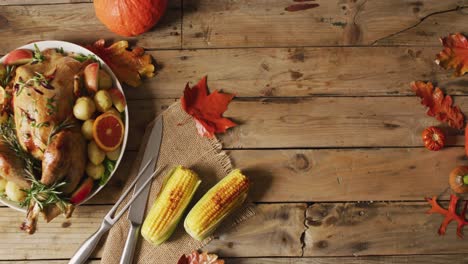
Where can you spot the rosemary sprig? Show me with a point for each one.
(82, 58)
(39, 193)
(44, 195)
(65, 124)
(37, 56)
(36, 80)
(8, 136)
(60, 50)
(9, 70)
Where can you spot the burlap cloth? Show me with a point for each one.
(180, 145)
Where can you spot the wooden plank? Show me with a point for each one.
(276, 224)
(229, 24)
(96, 261)
(418, 259)
(39, 2)
(77, 23)
(314, 122)
(358, 229)
(56, 240)
(347, 174)
(330, 175)
(288, 72)
(434, 26)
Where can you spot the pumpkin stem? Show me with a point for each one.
(465, 179)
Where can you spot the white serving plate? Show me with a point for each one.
(70, 47)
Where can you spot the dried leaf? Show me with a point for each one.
(203, 258)
(207, 109)
(439, 106)
(450, 214)
(455, 54)
(130, 66)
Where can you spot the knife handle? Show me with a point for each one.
(83, 253)
(130, 244)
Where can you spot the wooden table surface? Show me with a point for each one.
(329, 128)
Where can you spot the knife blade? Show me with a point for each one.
(137, 209)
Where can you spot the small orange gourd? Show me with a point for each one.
(129, 17)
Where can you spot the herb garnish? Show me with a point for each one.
(82, 58)
(9, 69)
(39, 125)
(51, 106)
(65, 124)
(109, 166)
(60, 50)
(36, 80)
(44, 195)
(37, 55)
(8, 136)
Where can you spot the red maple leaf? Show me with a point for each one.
(455, 54)
(207, 109)
(450, 214)
(439, 106)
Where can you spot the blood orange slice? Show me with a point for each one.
(108, 131)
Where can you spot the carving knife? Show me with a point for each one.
(137, 209)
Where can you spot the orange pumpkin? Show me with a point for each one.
(129, 17)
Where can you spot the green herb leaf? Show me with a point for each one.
(109, 166)
(37, 55)
(9, 70)
(8, 136)
(82, 58)
(65, 124)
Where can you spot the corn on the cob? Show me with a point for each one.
(216, 205)
(176, 193)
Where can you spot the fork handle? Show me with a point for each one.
(87, 248)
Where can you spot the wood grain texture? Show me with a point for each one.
(77, 23)
(356, 229)
(275, 230)
(313, 122)
(265, 23)
(349, 174)
(39, 2)
(293, 72)
(56, 240)
(280, 224)
(423, 259)
(331, 175)
(332, 229)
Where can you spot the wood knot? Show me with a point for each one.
(312, 222)
(321, 244)
(301, 162)
(297, 55)
(295, 74)
(3, 21)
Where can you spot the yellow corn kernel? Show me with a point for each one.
(216, 205)
(177, 191)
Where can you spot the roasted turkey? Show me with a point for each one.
(43, 97)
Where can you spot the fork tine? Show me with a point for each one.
(156, 172)
(122, 197)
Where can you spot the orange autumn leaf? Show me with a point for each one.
(449, 214)
(455, 54)
(207, 109)
(439, 106)
(197, 258)
(130, 66)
